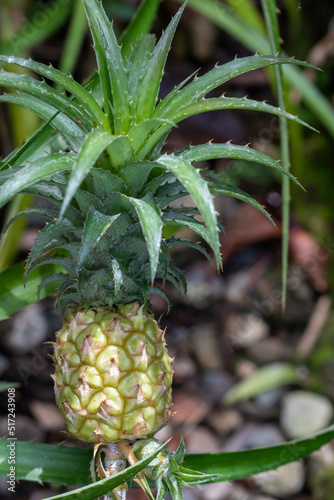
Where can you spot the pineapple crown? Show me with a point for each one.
(112, 219)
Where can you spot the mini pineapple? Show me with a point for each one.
(113, 374)
(112, 217)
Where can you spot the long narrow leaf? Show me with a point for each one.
(198, 188)
(228, 20)
(64, 81)
(47, 239)
(112, 71)
(211, 150)
(95, 490)
(218, 185)
(25, 83)
(202, 85)
(69, 465)
(137, 64)
(94, 145)
(152, 78)
(151, 223)
(223, 102)
(34, 172)
(71, 132)
(95, 226)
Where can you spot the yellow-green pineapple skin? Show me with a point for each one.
(113, 374)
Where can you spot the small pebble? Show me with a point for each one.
(305, 413)
(283, 482)
(244, 330)
(206, 348)
(29, 329)
(202, 440)
(225, 421)
(47, 415)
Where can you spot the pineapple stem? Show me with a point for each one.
(114, 462)
(141, 480)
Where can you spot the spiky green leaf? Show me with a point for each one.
(146, 101)
(96, 142)
(224, 102)
(202, 85)
(198, 188)
(137, 65)
(40, 89)
(112, 71)
(95, 227)
(151, 223)
(218, 185)
(139, 25)
(35, 171)
(65, 81)
(70, 130)
(212, 150)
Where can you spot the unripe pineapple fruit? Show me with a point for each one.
(113, 374)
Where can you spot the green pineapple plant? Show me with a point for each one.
(112, 221)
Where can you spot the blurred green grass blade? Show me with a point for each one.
(269, 8)
(70, 466)
(4, 386)
(248, 12)
(42, 25)
(140, 24)
(14, 295)
(74, 39)
(232, 24)
(240, 464)
(9, 241)
(263, 379)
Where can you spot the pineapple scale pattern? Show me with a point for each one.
(112, 374)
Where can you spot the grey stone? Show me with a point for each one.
(206, 348)
(184, 368)
(202, 439)
(29, 329)
(269, 350)
(246, 329)
(254, 436)
(283, 482)
(304, 413)
(225, 421)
